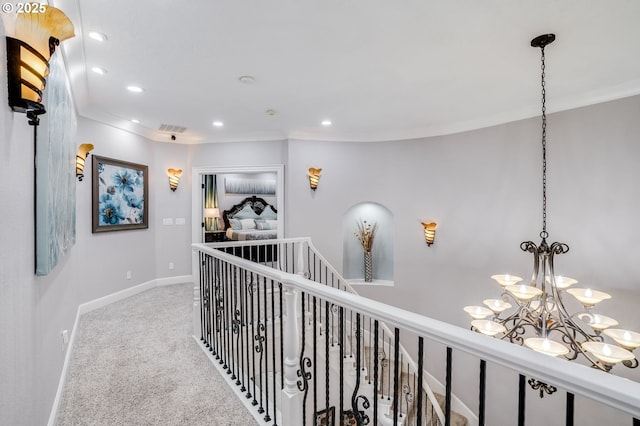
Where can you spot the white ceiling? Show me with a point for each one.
(378, 69)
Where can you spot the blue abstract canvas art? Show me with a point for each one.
(120, 195)
(55, 199)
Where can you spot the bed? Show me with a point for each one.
(252, 219)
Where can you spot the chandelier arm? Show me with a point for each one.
(517, 330)
(531, 247)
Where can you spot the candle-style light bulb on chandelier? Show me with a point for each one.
(534, 313)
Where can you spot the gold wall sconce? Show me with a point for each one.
(28, 54)
(314, 177)
(429, 232)
(174, 178)
(81, 157)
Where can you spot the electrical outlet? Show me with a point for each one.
(128, 275)
(171, 265)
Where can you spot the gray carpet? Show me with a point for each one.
(135, 362)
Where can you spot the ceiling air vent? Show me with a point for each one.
(172, 128)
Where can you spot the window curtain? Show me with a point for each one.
(211, 199)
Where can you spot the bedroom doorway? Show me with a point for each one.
(232, 184)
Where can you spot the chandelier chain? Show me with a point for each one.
(544, 234)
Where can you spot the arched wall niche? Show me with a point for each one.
(382, 251)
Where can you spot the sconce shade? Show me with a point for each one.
(174, 178)
(429, 232)
(314, 177)
(28, 54)
(83, 153)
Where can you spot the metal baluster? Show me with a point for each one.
(483, 392)
(521, 400)
(260, 347)
(203, 302)
(570, 406)
(315, 356)
(447, 398)
(232, 323)
(420, 390)
(253, 335)
(242, 285)
(375, 372)
(273, 349)
(341, 345)
(223, 313)
(267, 417)
(350, 334)
(369, 354)
(281, 339)
(396, 365)
(389, 372)
(326, 356)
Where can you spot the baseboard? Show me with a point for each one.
(181, 279)
(97, 304)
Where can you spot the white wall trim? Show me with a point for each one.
(180, 279)
(92, 305)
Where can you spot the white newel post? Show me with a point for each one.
(291, 396)
(300, 260)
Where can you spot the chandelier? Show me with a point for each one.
(534, 313)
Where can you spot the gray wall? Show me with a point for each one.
(484, 190)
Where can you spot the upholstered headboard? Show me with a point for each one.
(257, 204)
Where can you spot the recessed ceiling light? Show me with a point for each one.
(135, 120)
(135, 89)
(326, 122)
(247, 79)
(218, 123)
(97, 36)
(99, 70)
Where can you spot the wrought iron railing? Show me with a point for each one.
(337, 360)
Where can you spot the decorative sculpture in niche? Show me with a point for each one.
(366, 234)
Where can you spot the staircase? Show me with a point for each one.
(346, 365)
(303, 349)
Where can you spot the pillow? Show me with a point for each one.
(262, 224)
(246, 213)
(235, 223)
(248, 223)
(273, 224)
(268, 213)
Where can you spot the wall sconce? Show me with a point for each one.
(429, 232)
(211, 215)
(81, 157)
(174, 178)
(28, 54)
(314, 177)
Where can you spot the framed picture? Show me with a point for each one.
(120, 196)
(326, 417)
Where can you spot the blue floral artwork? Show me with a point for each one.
(120, 195)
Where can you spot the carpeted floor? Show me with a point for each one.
(135, 362)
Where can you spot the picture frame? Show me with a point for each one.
(120, 195)
(326, 417)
